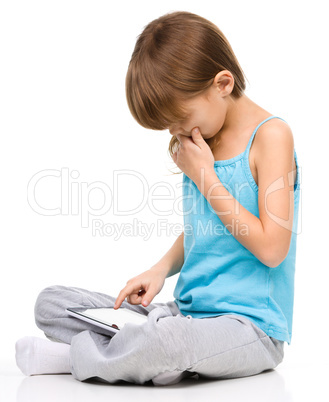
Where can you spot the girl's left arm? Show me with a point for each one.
(267, 237)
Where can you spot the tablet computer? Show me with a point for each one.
(107, 317)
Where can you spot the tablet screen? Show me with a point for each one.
(108, 316)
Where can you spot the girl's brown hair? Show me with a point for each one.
(176, 57)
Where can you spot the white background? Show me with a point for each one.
(63, 108)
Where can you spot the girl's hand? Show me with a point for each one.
(142, 288)
(193, 155)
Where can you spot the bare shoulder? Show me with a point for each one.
(274, 132)
(275, 137)
(273, 141)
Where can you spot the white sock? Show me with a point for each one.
(40, 356)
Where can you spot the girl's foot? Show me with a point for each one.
(40, 356)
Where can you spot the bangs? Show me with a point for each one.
(152, 101)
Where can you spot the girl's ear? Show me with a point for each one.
(224, 82)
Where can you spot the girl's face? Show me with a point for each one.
(206, 111)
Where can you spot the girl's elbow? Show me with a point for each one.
(272, 263)
(273, 257)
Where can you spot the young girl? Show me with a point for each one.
(233, 302)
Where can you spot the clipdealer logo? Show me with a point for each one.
(74, 198)
(77, 198)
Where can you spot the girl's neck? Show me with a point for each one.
(242, 116)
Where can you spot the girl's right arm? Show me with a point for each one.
(144, 287)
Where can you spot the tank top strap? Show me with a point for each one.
(256, 129)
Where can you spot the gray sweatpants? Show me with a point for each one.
(167, 348)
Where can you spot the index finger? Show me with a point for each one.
(122, 295)
(126, 291)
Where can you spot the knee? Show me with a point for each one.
(278, 352)
(47, 301)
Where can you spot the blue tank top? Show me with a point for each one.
(219, 275)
